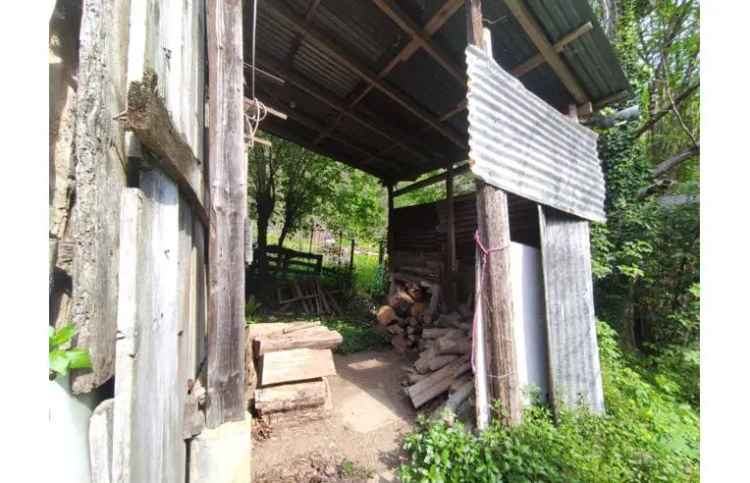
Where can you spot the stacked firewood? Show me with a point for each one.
(441, 377)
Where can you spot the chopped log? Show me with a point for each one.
(310, 338)
(400, 343)
(427, 317)
(438, 382)
(422, 365)
(386, 315)
(301, 416)
(401, 302)
(395, 329)
(296, 365)
(438, 361)
(289, 397)
(448, 319)
(418, 309)
(437, 332)
(451, 345)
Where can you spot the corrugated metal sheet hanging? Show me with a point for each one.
(522, 145)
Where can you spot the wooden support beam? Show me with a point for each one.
(432, 26)
(537, 36)
(228, 205)
(431, 180)
(337, 104)
(309, 15)
(451, 239)
(390, 228)
(391, 9)
(328, 46)
(493, 225)
(558, 47)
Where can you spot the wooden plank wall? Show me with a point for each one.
(99, 177)
(575, 374)
(162, 293)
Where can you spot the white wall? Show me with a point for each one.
(69, 432)
(529, 329)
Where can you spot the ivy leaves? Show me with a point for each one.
(61, 360)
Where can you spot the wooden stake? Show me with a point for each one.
(451, 241)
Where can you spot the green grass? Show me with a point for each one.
(358, 336)
(368, 275)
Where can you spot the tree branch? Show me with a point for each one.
(657, 117)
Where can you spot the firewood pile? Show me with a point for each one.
(292, 362)
(441, 377)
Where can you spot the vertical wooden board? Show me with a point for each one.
(227, 167)
(100, 178)
(575, 373)
(149, 402)
(199, 294)
(186, 281)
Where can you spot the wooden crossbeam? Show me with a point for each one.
(325, 44)
(315, 125)
(431, 180)
(309, 15)
(558, 47)
(392, 10)
(432, 26)
(337, 104)
(538, 37)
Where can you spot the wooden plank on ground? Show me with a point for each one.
(575, 374)
(296, 365)
(227, 166)
(288, 397)
(311, 338)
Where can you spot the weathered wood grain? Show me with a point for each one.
(438, 382)
(312, 338)
(296, 365)
(149, 392)
(575, 373)
(228, 207)
(101, 430)
(291, 397)
(100, 177)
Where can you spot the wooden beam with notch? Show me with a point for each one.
(558, 47)
(431, 180)
(321, 42)
(539, 39)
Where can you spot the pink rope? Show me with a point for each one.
(485, 254)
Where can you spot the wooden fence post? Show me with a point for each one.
(228, 206)
(493, 224)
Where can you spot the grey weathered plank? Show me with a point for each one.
(100, 177)
(228, 210)
(296, 365)
(149, 400)
(575, 372)
(101, 431)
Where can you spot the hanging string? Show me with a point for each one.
(483, 267)
(259, 111)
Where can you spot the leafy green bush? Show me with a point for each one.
(646, 435)
(62, 358)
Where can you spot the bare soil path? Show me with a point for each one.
(360, 442)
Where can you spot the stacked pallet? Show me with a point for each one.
(441, 376)
(293, 361)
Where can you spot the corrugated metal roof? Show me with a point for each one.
(367, 36)
(522, 145)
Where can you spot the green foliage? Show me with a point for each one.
(646, 435)
(61, 357)
(252, 306)
(358, 336)
(369, 276)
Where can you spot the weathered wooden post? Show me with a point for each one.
(451, 240)
(495, 295)
(351, 257)
(228, 206)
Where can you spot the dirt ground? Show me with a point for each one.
(360, 442)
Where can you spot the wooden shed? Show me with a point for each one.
(148, 178)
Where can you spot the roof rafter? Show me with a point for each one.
(337, 104)
(432, 26)
(309, 15)
(537, 36)
(558, 47)
(320, 41)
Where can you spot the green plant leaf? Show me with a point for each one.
(62, 335)
(78, 358)
(59, 362)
